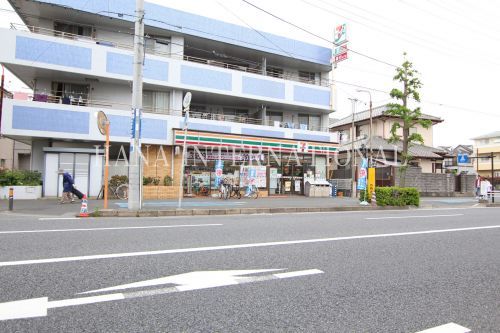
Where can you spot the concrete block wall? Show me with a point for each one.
(467, 183)
(429, 183)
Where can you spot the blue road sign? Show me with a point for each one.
(463, 158)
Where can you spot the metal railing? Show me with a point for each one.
(85, 100)
(129, 47)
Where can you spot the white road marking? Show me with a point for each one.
(59, 218)
(37, 307)
(231, 247)
(110, 228)
(410, 217)
(297, 273)
(85, 300)
(447, 328)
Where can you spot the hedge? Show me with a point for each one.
(20, 178)
(397, 196)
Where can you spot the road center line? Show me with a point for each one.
(230, 247)
(110, 228)
(410, 217)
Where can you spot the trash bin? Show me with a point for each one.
(309, 189)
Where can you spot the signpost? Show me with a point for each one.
(186, 103)
(103, 125)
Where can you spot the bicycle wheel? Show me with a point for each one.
(255, 193)
(122, 192)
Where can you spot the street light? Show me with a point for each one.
(371, 125)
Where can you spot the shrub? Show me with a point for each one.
(20, 178)
(168, 181)
(116, 180)
(397, 196)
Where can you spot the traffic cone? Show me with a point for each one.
(84, 211)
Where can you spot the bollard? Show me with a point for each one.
(11, 198)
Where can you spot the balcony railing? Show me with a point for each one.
(130, 47)
(85, 100)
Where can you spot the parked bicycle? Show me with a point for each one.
(119, 192)
(253, 192)
(234, 191)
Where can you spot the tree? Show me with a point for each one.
(406, 118)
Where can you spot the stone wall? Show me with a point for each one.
(428, 184)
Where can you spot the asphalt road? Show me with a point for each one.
(383, 271)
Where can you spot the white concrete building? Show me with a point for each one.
(249, 93)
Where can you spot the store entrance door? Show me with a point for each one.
(292, 181)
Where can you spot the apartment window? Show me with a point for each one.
(70, 93)
(310, 122)
(275, 117)
(275, 71)
(72, 29)
(308, 77)
(156, 101)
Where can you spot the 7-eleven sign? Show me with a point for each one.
(340, 35)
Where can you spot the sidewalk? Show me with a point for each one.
(207, 206)
(51, 207)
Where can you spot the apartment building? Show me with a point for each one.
(262, 99)
(488, 146)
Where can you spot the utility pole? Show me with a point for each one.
(370, 165)
(135, 167)
(353, 155)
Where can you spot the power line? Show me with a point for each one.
(316, 35)
(373, 25)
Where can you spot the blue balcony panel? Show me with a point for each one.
(151, 128)
(204, 27)
(262, 133)
(120, 126)
(209, 127)
(206, 78)
(119, 63)
(311, 137)
(38, 50)
(50, 120)
(311, 95)
(264, 88)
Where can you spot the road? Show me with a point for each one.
(383, 271)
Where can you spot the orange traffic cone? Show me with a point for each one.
(84, 211)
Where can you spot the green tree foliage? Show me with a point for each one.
(406, 118)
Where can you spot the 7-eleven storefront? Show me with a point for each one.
(276, 166)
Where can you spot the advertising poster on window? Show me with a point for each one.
(253, 175)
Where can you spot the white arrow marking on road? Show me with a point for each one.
(37, 307)
(190, 281)
(447, 328)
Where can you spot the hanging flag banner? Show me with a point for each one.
(219, 166)
(371, 181)
(362, 174)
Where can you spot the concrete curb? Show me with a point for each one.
(237, 211)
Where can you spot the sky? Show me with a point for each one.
(454, 44)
